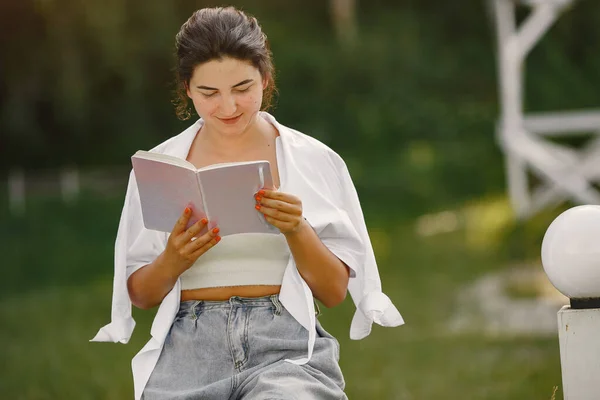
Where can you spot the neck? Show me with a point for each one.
(228, 145)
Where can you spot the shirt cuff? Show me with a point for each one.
(375, 307)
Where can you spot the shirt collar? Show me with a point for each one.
(181, 146)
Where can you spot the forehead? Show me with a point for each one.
(226, 71)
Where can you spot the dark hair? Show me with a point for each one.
(214, 33)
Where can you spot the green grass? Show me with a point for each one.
(57, 265)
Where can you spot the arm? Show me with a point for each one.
(326, 275)
(149, 285)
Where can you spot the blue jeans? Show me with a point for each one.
(235, 350)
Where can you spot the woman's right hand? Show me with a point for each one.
(183, 247)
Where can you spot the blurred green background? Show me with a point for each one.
(406, 93)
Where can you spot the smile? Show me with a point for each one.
(230, 121)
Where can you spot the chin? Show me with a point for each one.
(235, 129)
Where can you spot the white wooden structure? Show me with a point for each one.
(565, 173)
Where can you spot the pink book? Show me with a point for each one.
(223, 193)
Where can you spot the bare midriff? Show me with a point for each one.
(224, 293)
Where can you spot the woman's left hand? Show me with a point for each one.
(281, 210)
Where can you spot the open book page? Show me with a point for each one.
(165, 158)
(168, 159)
(165, 191)
(233, 164)
(228, 193)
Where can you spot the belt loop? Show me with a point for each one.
(233, 300)
(193, 309)
(276, 303)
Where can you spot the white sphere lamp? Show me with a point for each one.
(571, 255)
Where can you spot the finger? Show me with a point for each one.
(193, 245)
(194, 230)
(202, 244)
(189, 234)
(207, 246)
(285, 197)
(281, 225)
(182, 222)
(273, 222)
(276, 214)
(281, 206)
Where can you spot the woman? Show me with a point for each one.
(236, 317)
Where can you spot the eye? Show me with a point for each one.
(243, 90)
(208, 95)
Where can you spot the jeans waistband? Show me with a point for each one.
(194, 306)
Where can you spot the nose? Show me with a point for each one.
(228, 106)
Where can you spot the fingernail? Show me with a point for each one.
(258, 198)
(218, 239)
(187, 210)
(261, 192)
(257, 207)
(204, 221)
(215, 231)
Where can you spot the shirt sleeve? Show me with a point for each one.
(135, 246)
(143, 245)
(340, 237)
(372, 305)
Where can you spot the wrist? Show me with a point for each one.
(302, 226)
(169, 269)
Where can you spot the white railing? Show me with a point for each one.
(565, 173)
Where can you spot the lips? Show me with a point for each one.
(230, 121)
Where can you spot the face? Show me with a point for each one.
(227, 94)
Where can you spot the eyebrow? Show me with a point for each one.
(234, 86)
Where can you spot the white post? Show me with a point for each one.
(579, 339)
(571, 259)
(511, 77)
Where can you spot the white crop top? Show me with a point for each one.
(237, 260)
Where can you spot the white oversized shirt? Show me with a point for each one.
(309, 170)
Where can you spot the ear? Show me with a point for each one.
(265, 81)
(187, 89)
